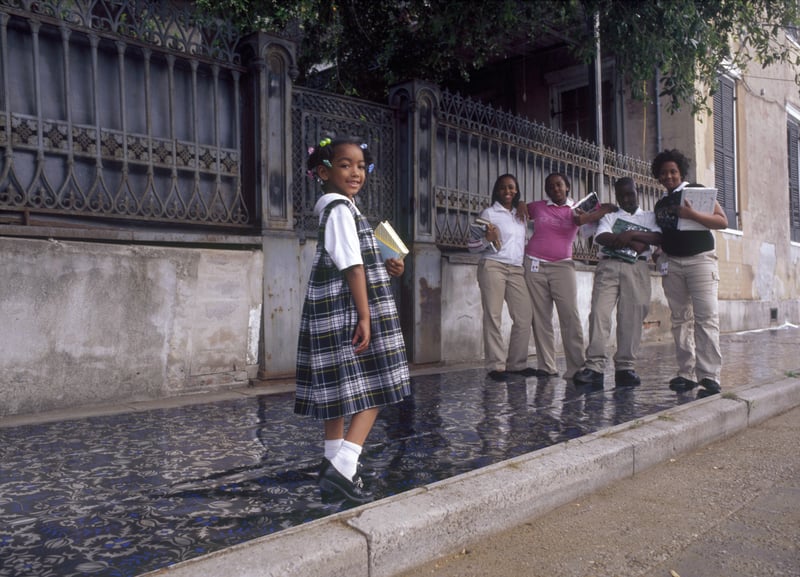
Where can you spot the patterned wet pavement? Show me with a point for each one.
(124, 494)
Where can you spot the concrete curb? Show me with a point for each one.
(395, 534)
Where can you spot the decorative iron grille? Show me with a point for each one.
(317, 114)
(125, 110)
(476, 144)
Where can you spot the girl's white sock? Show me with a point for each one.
(332, 447)
(346, 460)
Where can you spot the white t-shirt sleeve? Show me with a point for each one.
(341, 238)
(606, 223)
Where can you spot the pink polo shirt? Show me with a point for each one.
(554, 231)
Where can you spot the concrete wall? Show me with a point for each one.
(462, 339)
(461, 312)
(86, 323)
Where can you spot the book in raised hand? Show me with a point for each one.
(484, 224)
(389, 242)
(587, 203)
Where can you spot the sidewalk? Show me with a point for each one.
(707, 488)
(225, 484)
(729, 509)
(584, 508)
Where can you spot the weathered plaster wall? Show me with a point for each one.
(462, 339)
(87, 323)
(759, 265)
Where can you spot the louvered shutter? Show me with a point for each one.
(793, 131)
(725, 149)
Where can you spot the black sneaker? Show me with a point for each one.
(588, 377)
(333, 483)
(681, 385)
(627, 378)
(711, 386)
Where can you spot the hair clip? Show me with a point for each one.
(363, 146)
(327, 163)
(325, 142)
(310, 150)
(370, 168)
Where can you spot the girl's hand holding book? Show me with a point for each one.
(395, 266)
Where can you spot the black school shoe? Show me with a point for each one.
(681, 385)
(526, 372)
(332, 484)
(498, 375)
(360, 471)
(541, 373)
(627, 378)
(588, 377)
(710, 387)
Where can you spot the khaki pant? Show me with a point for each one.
(501, 282)
(691, 286)
(626, 286)
(555, 283)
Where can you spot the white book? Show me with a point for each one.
(702, 200)
(390, 243)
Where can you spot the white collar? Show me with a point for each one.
(570, 203)
(679, 188)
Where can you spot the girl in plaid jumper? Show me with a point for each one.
(351, 356)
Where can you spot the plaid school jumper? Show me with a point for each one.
(332, 381)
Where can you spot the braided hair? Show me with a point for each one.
(324, 152)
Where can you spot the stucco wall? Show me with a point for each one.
(88, 323)
(462, 339)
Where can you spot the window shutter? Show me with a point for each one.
(793, 132)
(725, 149)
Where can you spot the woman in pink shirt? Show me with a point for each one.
(550, 274)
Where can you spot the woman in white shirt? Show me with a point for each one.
(501, 244)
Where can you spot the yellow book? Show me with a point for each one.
(389, 242)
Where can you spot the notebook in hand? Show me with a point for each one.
(626, 253)
(389, 242)
(484, 224)
(702, 200)
(587, 203)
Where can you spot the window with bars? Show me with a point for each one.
(793, 134)
(725, 147)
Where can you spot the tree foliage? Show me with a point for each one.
(366, 46)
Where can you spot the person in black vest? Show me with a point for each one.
(691, 278)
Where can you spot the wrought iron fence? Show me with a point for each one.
(317, 114)
(476, 144)
(123, 110)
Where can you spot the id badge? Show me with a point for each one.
(534, 264)
(663, 265)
